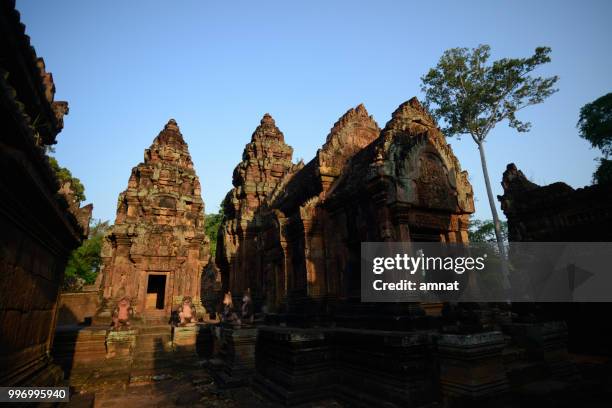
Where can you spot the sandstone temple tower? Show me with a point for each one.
(157, 248)
(265, 161)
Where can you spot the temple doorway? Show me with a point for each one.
(156, 290)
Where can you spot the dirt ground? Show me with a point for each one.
(176, 391)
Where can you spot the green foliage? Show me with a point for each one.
(471, 97)
(211, 228)
(85, 261)
(595, 123)
(64, 176)
(603, 174)
(484, 231)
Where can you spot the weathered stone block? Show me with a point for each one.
(471, 365)
(235, 363)
(120, 343)
(546, 342)
(294, 365)
(360, 367)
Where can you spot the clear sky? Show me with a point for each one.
(126, 67)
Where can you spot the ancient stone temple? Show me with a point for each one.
(265, 161)
(307, 223)
(399, 184)
(157, 250)
(298, 226)
(39, 224)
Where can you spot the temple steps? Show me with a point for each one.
(95, 356)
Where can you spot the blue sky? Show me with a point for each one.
(126, 67)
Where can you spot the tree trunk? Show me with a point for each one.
(496, 223)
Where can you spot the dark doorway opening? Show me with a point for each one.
(156, 290)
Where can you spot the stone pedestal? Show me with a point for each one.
(375, 367)
(545, 342)
(120, 344)
(235, 364)
(294, 365)
(471, 366)
(184, 339)
(192, 341)
(120, 348)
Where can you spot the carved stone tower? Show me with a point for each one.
(157, 249)
(265, 161)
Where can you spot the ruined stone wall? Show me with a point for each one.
(560, 213)
(555, 212)
(39, 226)
(77, 307)
(401, 184)
(159, 229)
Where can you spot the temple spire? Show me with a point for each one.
(267, 130)
(172, 125)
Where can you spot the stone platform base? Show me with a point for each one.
(294, 365)
(234, 366)
(358, 367)
(471, 366)
(96, 357)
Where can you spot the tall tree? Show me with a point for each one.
(470, 97)
(603, 173)
(595, 125)
(484, 231)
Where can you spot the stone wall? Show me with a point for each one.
(77, 307)
(39, 226)
(555, 212)
(560, 213)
